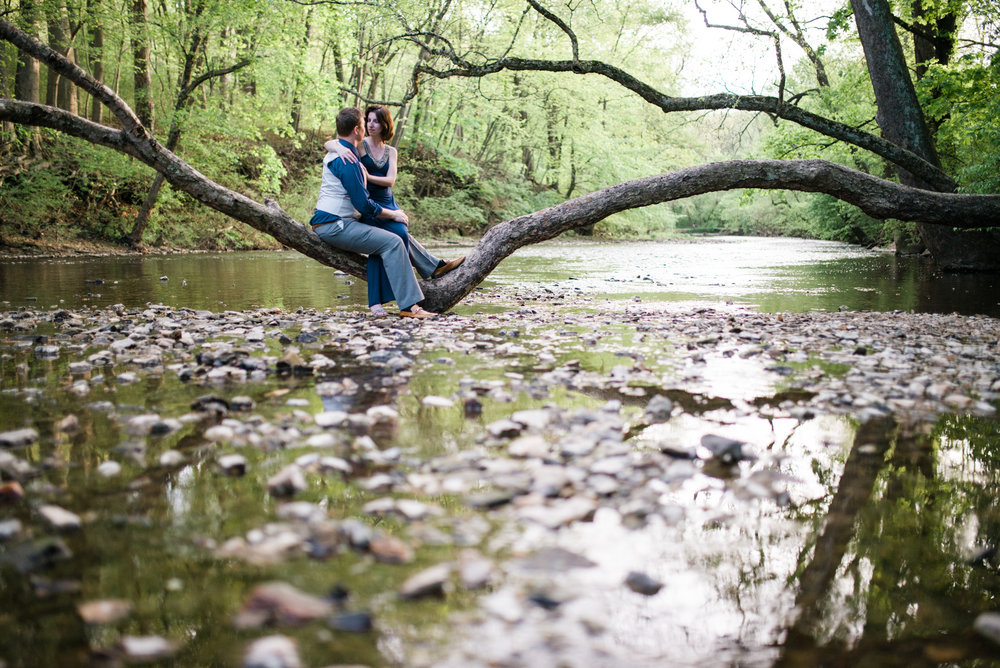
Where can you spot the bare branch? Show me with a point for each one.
(211, 74)
(384, 103)
(770, 105)
(562, 26)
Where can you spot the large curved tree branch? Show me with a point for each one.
(759, 103)
(876, 197)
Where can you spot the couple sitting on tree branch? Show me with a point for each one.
(357, 212)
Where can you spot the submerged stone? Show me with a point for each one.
(275, 651)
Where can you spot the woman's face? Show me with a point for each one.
(374, 127)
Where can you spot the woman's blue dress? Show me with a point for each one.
(379, 290)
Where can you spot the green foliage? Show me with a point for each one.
(964, 97)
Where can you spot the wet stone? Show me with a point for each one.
(643, 584)
(59, 518)
(281, 604)
(428, 582)
(287, 482)
(104, 611)
(147, 648)
(9, 528)
(18, 438)
(988, 626)
(352, 622)
(726, 450)
(233, 465)
(275, 651)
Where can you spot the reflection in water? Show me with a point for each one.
(773, 274)
(864, 559)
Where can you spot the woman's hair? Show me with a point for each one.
(384, 118)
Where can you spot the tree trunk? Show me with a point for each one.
(26, 75)
(902, 122)
(300, 76)
(143, 83)
(95, 56)
(60, 92)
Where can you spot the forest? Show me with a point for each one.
(493, 121)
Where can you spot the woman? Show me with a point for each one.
(380, 162)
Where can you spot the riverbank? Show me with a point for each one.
(554, 479)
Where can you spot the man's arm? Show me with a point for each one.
(354, 184)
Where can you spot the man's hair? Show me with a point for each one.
(384, 119)
(348, 119)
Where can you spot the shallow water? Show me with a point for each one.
(770, 274)
(865, 562)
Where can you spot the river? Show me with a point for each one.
(857, 524)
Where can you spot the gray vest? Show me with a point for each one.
(333, 197)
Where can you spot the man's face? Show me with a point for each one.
(359, 133)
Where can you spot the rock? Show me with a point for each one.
(428, 582)
(437, 402)
(505, 428)
(233, 465)
(272, 652)
(528, 447)
(641, 583)
(390, 550)
(146, 648)
(59, 518)
(103, 612)
(987, 625)
(553, 560)
(559, 513)
(289, 481)
(474, 570)
(69, 424)
(109, 469)
(9, 528)
(241, 403)
(352, 622)
(281, 604)
(11, 491)
(171, 458)
(659, 409)
(726, 450)
(18, 438)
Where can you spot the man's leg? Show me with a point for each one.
(422, 259)
(370, 240)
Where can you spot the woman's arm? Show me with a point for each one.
(346, 154)
(389, 180)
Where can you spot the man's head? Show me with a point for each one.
(349, 124)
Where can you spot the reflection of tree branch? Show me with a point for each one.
(865, 461)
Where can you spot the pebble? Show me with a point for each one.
(287, 482)
(18, 438)
(59, 518)
(143, 649)
(643, 584)
(103, 612)
(428, 582)
(274, 651)
(282, 604)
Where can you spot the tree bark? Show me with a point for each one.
(60, 91)
(877, 197)
(142, 81)
(26, 75)
(902, 122)
(95, 56)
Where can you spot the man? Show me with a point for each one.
(344, 205)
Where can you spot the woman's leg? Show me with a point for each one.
(371, 240)
(379, 289)
(383, 291)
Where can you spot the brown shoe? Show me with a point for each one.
(416, 312)
(447, 266)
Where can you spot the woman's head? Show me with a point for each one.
(378, 121)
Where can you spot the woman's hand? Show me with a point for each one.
(334, 146)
